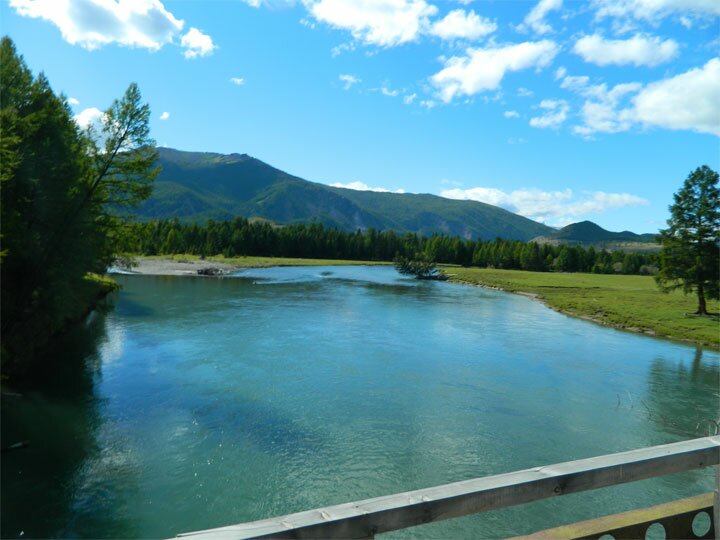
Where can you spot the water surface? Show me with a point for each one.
(206, 402)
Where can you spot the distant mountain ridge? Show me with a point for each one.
(196, 186)
(589, 233)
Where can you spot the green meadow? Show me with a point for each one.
(628, 302)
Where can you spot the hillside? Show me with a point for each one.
(196, 186)
(587, 233)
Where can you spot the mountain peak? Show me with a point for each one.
(196, 186)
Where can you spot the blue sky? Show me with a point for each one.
(557, 110)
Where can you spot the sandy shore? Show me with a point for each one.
(170, 267)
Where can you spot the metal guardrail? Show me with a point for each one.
(365, 519)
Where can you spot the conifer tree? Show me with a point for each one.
(690, 257)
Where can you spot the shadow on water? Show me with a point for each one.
(682, 397)
(58, 415)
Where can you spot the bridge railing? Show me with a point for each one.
(367, 518)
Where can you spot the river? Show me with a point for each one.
(201, 402)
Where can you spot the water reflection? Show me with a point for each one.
(205, 402)
(682, 396)
(59, 415)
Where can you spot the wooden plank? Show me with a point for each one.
(608, 524)
(716, 503)
(364, 519)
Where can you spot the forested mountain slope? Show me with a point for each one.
(196, 186)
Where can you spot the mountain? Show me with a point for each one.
(195, 186)
(589, 233)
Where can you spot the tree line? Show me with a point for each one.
(243, 237)
(62, 192)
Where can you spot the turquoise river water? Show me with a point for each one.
(201, 402)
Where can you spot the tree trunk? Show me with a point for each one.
(702, 309)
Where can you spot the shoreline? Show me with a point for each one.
(189, 266)
(173, 267)
(544, 301)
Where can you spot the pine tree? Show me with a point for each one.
(690, 256)
(59, 201)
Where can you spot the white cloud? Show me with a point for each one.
(560, 72)
(165, 115)
(387, 92)
(91, 116)
(652, 10)
(556, 114)
(511, 114)
(576, 83)
(690, 100)
(484, 69)
(603, 112)
(238, 81)
(361, 186)
(638, 50)
(553, 207)
(343, 47)
(348, 80)
(460, 24)
(385, 23)
(536, 18)
(428, 104)
(407, 100)
(197, 44)
(524, 92)
(94, 23)
(73, 101)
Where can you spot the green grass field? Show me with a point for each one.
(627, 302)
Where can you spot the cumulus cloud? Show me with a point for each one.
(165, 115)
(407, 100)
(387, 92)
(511, 114)
(384, 23)
(553, 207)
(555, 115)
(607, 111)
(461, 24)
(90, 117)
(237, 81)
(483, 69)
(361, 186)
(536, 18)
(94, 23)
(638, 50)
(73, 101)
(197, 44)
(690, 100)
(654, 9)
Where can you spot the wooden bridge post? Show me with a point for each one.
(716, 503)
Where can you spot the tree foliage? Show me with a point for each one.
(241, 236)
(60, 191)
(420, 266)
(690, 256)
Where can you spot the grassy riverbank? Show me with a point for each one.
(628, 302)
